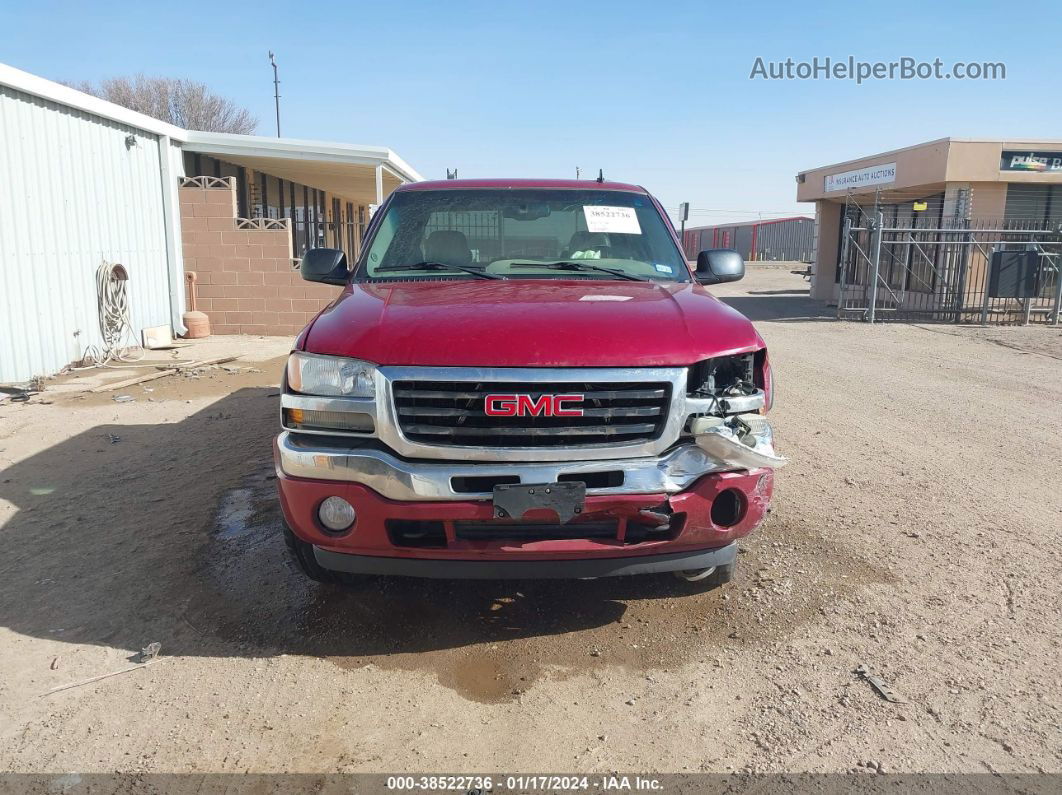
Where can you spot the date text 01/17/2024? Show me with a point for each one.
(477, 784)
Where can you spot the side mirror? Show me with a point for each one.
(718, 265)
(326, 265)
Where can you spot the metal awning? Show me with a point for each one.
(362, 174)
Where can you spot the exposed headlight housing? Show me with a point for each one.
(726, 385)
(722, 375)
(331, 376)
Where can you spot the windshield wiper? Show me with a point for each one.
(438, 266)
(577, 265)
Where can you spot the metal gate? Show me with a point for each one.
(342, 228)
(940, 271)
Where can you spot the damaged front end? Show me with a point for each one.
(739, 442)
(730, 396)
(679, 501)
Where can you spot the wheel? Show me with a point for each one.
(302, 552)
(707, 579)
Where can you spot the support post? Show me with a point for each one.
(171, 215)
(988, 277)
(963, 256)
(379, 185)
(1058, 294)
(1028, 301)
(879, 222)
(842, 263)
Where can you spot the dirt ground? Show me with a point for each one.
(916, 532)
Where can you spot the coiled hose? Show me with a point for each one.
(112, 300)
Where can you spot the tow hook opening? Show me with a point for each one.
(696, 575)
(728, 508)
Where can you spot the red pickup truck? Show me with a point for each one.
(524, 378)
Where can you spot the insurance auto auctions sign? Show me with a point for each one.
(861, 177)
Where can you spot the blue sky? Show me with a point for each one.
(653, 93)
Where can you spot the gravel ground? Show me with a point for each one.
(915, 532)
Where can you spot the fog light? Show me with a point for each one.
(336, 514)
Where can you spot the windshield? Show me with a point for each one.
(525, 234)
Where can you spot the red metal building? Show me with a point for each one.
(786, 239)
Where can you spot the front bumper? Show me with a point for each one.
(371, 464)
(526, 570)
(692, 527)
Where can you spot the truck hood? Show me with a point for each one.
(529, 323)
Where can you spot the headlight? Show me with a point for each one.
(331, 376)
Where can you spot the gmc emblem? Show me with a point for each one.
(525, 405)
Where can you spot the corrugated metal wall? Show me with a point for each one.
(791, 239)
(72, 194)
(735, 236)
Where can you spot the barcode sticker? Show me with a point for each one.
(616, 220)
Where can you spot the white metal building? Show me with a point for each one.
(83, 181)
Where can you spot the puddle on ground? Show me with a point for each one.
(234, 514)
(491, 640)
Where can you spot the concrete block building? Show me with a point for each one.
(945, 205)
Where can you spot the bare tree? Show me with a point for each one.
(184, 103)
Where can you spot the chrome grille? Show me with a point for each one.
(452, 413)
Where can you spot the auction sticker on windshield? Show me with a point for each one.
(617, 220)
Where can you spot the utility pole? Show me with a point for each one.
(276, 89)
(577, 172)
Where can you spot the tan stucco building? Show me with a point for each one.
(933, 184)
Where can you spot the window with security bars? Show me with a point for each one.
(1035, 204)
(482, 229)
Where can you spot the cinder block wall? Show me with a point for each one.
(246, 282)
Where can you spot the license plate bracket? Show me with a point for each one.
(566, 499)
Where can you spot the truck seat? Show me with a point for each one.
(449, 247)
(587, 245)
